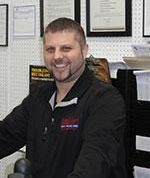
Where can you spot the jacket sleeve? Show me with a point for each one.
(102, 152)
(13, 130)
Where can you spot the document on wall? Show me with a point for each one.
(3, 27)
(107, 15)
(24, 21)
(55, 8)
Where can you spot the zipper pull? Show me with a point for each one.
(45, 133)
(52, 121)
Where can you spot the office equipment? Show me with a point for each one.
(138, 122)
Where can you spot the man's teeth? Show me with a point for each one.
(60, 65)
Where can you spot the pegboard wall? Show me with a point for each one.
(20, 53)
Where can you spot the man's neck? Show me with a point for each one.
(63, 89)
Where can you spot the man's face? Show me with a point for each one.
(63, 55)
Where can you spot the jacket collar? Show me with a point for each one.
(78, 89)
(81, 85)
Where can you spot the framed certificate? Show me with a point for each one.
(146, 18)
(24, 16)
(108, 18)
(52, 9)
(3, 24)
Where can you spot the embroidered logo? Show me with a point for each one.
(69, 124)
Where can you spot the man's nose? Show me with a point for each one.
(58, 54)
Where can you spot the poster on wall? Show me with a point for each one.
(50, 10)
(3, 24)
(38, 75)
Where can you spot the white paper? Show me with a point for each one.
(142, 143)
(24, 21)
(114, 66)
(55, 8)
(141, 50)
(143, 84)
(107, 15)
(140, 172)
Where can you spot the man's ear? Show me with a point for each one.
(85, 50)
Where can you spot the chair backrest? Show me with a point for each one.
(100, 68)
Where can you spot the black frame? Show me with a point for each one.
(77, 14)
(128, 22)
(6, 23)
(144, 11)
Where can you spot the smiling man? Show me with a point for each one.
(65, 50)
(73, 127)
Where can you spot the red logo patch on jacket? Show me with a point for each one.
(69, 124)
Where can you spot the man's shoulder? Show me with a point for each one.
(101, 88)
(42, 90)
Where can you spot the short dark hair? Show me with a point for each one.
(66, 24)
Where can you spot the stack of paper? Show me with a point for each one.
(138, 62)
(114, 66)
(143, 84)
(141, 50)
(140, 172)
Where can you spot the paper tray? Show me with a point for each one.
(137, 62)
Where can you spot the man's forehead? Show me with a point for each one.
(62, 35)
(63, 32)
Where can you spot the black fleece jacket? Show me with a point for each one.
(80, 137)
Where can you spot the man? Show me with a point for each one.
(72, 127)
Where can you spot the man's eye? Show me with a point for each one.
(66, 48)
(50, 50)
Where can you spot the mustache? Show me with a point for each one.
(61, 61)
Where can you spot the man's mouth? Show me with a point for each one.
(60, 65)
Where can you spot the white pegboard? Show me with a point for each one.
(114, 48)
(4, 57)
(23, 52)
(20, 53)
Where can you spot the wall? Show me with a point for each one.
(20, 53)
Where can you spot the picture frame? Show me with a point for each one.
(146, 18)
(24, 15)
(108, 18)
(50, 10)
(3, 24)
